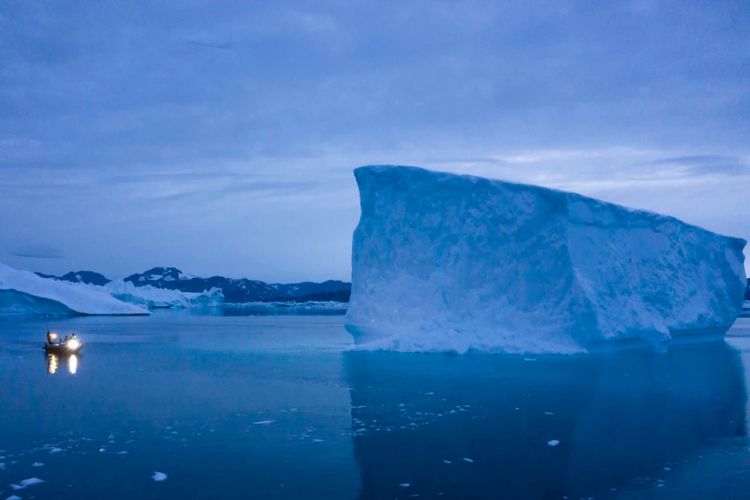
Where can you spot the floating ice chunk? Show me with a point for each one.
(26, 483)
(159, 476)
(405, 485)
(2, 465)
(263, 422)
(13, 497)
(553, 442)
(38, 464)
(447, 462)
(468, 460)
(317, 440)
(444, 262)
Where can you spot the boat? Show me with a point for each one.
(69, 345)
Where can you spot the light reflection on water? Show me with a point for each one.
(71, 361)
(278, 408)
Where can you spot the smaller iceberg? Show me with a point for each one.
(163, 298)
(25, 293)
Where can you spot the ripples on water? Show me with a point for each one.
(278, 407)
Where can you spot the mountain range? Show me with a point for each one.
(235, 290)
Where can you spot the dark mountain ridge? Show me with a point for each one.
(88, 277)
(243, 290)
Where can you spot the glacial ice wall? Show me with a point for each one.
(159, 298)
(443, 262)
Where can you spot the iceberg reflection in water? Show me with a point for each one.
(496, 426)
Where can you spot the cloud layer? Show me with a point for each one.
(221, 138)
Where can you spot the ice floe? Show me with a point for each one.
(25, 483)
(159, 476)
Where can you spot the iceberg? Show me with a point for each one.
(24, 293)
(445, 262)
(162, 298)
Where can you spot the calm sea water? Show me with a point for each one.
(277, 407)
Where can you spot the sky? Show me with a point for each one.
(220, 137)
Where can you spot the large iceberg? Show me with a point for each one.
(23, 292)
(454, 263)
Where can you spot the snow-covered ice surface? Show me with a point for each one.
(443, 262)
(23, 292)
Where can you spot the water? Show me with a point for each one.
(277, 407)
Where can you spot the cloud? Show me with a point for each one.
(211, 45)
(707, 165)
(37, 251)
(124, 136)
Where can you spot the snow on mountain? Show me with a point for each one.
(23, 292)
(452, 263)
(159, 274)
